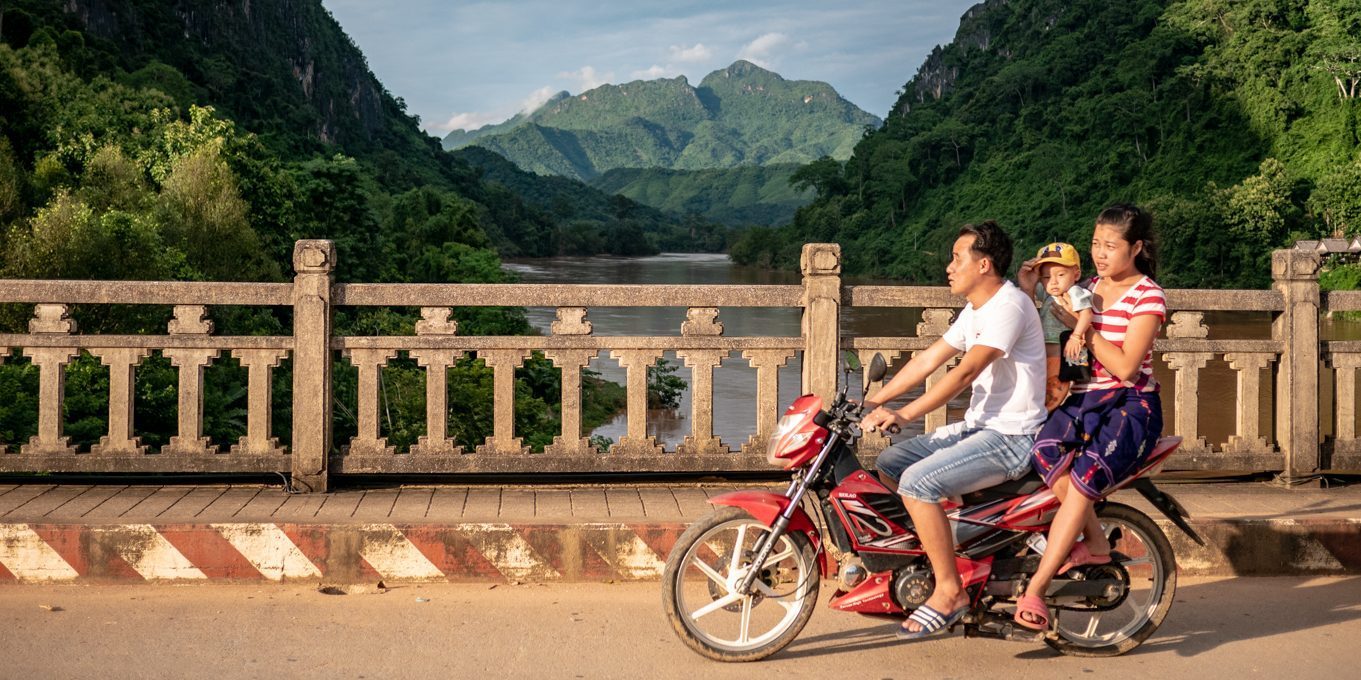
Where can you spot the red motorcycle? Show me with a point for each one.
(741, 583)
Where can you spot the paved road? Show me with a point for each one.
(1258, 627)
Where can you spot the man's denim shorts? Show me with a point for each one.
(955, 460)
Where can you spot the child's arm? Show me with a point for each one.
(1073, 350)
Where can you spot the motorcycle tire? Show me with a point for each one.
(1150, 563)
(696, 586)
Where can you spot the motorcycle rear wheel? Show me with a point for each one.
(1152, 570)
(698, 588)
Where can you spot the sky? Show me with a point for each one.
(467, 64)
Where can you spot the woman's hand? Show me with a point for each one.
(881, 419)
(1064, 316)
(1027, 276)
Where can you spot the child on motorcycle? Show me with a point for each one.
(1060, 269)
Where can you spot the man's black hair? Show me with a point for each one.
(991, 242)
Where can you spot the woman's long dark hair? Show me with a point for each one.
(1135, 226)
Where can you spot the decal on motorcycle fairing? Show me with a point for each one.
(867, 519)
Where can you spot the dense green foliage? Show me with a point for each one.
(163, 141)
(1236, 123)
(747, 194)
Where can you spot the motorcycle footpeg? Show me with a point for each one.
(1003, 628)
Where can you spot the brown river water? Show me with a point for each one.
(735, 382)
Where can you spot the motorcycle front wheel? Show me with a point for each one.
(1145, 555)
(699, 588)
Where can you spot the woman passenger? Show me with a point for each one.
(1105, 430)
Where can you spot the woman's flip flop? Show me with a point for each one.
(1032, 613)
(1081, 555)
(931, 621)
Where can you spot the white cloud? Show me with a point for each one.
(468, 121)
(536, 99)
(697, 53)
(762, 51)
(587, 78)
(652, 73)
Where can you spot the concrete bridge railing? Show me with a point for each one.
(1292, 358)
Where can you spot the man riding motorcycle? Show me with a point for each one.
(1002, 342)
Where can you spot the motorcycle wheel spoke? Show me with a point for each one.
(716, 605)
(737, 549)
(744, 635)
(782, 556)
(1092, 623)
(1137, 561)
(708, 571)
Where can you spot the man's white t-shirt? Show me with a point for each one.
(1008, 396)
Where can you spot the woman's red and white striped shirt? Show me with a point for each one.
(1144, 297)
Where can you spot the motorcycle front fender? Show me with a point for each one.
(767, 507)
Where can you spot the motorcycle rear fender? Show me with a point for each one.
(767, 507)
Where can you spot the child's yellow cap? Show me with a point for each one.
(1058, 253)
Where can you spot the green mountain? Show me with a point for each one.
(1237, 124)
(745, 195)
(740, 115)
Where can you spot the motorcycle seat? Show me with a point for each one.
(1024, 486)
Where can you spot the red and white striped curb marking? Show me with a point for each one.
(31, 553)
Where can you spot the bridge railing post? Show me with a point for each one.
(1295, 274)
(314, 263)
(821, 325)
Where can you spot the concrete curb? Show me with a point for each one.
(503, 552)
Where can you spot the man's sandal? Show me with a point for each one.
(1081, 556)
(931, 621)
(1031, 612)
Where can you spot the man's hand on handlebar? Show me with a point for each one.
(882, 419)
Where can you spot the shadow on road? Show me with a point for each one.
(1244, 609)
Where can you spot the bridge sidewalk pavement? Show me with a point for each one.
(112, 533)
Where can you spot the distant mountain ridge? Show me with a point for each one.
(739, 115)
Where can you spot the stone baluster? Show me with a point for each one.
(570, 441)
(1187, 365)
(503, 363)
(436, 363)
(369, 362)
(821, 323)
(259, 400)
(1344, 367)
(871, 442)
(637, 361)
(51, 363)
(702, 322)
(436, 321)
(702, 439)
(314, 261)
(767, 363)
(191, 362)
(934, 323)
(1295, 274)
(571, 321)
(122, 363)
(1249, 367)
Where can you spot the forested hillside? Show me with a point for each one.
(1236, 123)
(740, 115)
(745, 195)
(194, 140)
